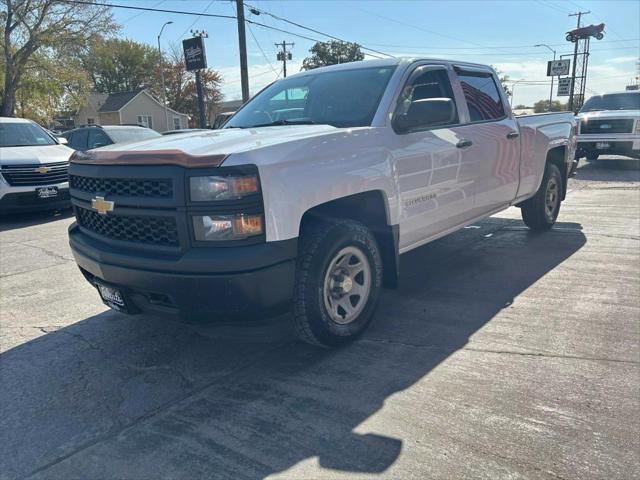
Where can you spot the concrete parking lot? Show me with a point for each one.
(504, 354)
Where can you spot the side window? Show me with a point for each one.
(98, 138)
(482, 96)
(78, 140)
(176, 123)
(427, 83)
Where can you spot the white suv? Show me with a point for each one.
(610, 125)
(33, 168)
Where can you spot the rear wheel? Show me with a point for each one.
(541, 211)
(338, 282)
(592, 157)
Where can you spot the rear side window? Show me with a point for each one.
(98, 138)
(78, 140)
(482, 96)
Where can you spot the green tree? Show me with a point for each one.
(520, 107)
(116, 65)
(51, 29)
(331, 53)
(543, 106)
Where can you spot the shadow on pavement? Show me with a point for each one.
(614, 169)
(137, 397)
(23, 220)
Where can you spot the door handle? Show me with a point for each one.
(511, 135)
(464, 143)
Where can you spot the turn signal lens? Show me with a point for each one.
(226, 227)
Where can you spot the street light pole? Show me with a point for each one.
(554, 59)
(513, 89)
(164, 92)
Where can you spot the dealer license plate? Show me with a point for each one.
(47, 192)
(112, 297)
(602, 146)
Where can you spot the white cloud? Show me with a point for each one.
(630, 59)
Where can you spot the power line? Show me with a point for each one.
(256, 9)
(197, 18)
(146, 9)
(495, 46)
(255, 40)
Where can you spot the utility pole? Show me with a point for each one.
(242, 42)
(575, 60)
(199, 89)
(284, 55)
(164, 91)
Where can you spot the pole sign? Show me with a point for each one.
(564, 86)
(555, 68)
(194, 56)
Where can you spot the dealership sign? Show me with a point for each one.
(555, 68)
(564, 86)
(194, 56)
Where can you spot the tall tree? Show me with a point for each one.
(543, 106)
(116, 65)
(49, 27)
(331, 53)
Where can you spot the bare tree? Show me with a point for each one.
(53, 27)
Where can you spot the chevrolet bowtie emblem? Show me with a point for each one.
(102, 206)
(43, 169)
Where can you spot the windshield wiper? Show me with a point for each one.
(276, 123)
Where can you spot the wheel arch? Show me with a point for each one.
(372, 210)
(558, 157)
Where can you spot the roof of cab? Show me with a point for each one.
(14, 120)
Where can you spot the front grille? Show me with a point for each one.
(148, 230)
(125, 187)
(604, 126)
(34, 175)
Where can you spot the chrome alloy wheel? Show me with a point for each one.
(347, 284)
(552, 199)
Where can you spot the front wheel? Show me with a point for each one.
(592, 157)
(338, 282)
(541, 211)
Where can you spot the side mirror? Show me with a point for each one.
(62, 141)
(425, 113)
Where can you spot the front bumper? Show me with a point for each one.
(28, 201)
(628, 145)
(211, 283)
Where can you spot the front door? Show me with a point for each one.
(435, 182)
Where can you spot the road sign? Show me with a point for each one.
(555, 68)
(194, 56)
(564, 86)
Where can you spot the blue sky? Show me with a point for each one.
(501, 33)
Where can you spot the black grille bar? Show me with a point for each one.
(604, 126)
(150, 230)
(126, 187)
(33, 175)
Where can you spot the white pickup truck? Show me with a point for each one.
(311, 191)
(610, 125)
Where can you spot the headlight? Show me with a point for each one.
(214, 188)
(226, 227)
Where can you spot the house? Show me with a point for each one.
(136, 107)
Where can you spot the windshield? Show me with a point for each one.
(343, 98)
(133, 134)
(23, 135)
(613, 101)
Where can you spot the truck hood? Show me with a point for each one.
(224, 142)
(199, 149)
(36, 155)
(609, 114)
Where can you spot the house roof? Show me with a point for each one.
(116, 101)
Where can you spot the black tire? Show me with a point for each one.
(541, 211)
(321, 242)
(592, 157)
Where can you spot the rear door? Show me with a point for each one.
(494, 151)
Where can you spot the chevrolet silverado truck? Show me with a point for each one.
(33, 168)
(311, 191)
(610, 125)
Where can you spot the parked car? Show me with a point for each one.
(95, 136)
(220, 119)
(312, 212)
(610, 124)
(33, 168)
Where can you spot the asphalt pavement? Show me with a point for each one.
(504, 354)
